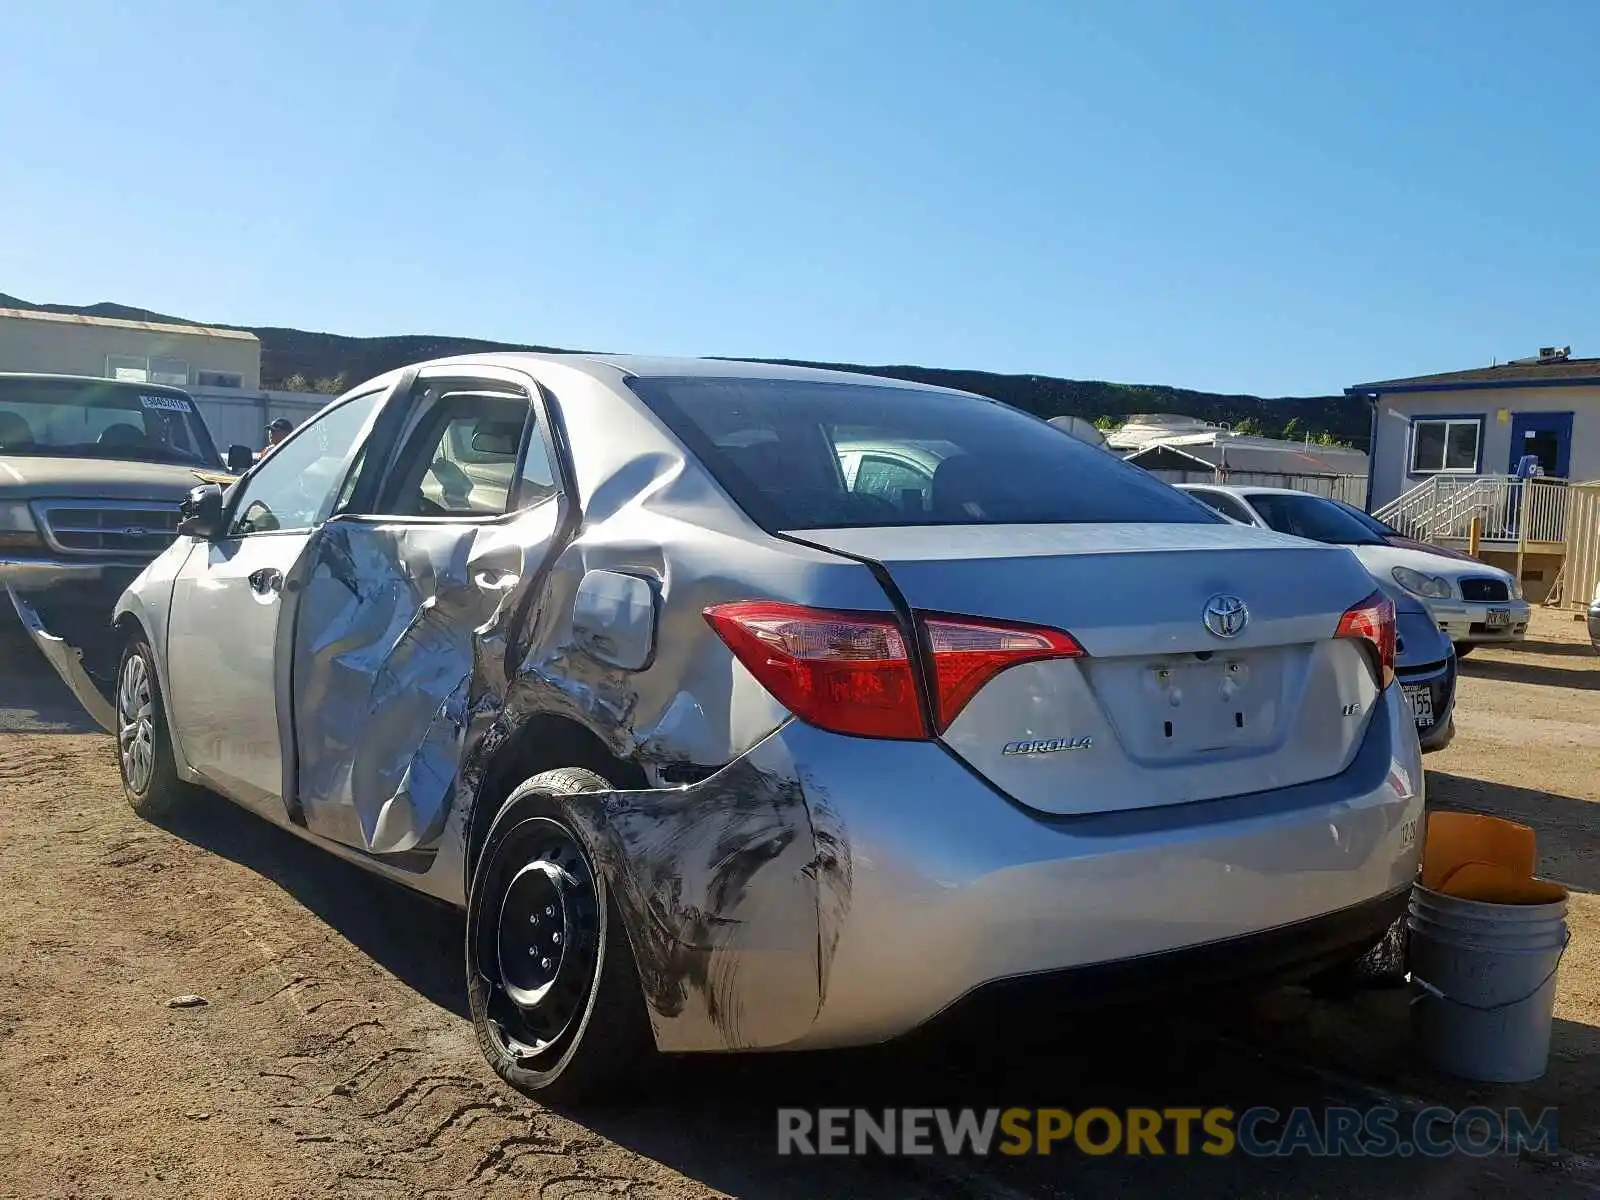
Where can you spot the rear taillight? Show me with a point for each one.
(1373, 622)
(847, 672)
(853, 672)
(968, 653)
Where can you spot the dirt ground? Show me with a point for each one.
(333, 1056)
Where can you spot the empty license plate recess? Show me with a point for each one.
(1421, 700)
(1189, 705)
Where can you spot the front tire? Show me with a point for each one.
(551, 981)
(1464, 648)
(144, 742)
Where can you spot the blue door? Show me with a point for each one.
(1547, 435)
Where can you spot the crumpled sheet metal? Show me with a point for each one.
(732, 892)
(732, 888)
(384, 672)
(693, 705)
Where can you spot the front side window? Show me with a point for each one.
(895, 480)
(1445, 445)
(775, 445)
(293, 487)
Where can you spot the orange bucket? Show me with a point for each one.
(1457, 841)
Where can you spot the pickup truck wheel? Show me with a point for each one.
(144, 746)
(551, 980)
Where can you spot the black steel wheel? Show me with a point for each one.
(547, 940)
(551, 981)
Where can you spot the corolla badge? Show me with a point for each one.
(1047, 745)
(1226, 616)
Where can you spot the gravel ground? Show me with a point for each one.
(333, 1056)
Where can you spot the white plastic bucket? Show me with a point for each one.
(1484, 978)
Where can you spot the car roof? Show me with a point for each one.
(130, 384)
(605, 366)
(1252, 490)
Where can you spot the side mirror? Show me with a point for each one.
(200, 515)
(240, 458)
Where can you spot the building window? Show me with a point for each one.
(127, 368)
(218, 379)
(1445, 444)
(173, 372)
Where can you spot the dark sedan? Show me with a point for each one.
(1425, 665)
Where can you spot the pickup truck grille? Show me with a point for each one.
(108, 528)
(1481, 589)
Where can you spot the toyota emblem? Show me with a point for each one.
(1226, 616)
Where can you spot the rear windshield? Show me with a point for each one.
(1307, 516)
(800, 455)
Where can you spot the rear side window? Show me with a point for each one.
(1224, 504)
(779, 448)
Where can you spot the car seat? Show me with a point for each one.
(15, 432)
(121, 434)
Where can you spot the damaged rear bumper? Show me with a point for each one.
(832, 891)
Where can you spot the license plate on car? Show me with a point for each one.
(1421, 699)
(1497, 618)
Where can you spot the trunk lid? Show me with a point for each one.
(1160, 710)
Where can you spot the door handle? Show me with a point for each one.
(266, 581)
(491, 579)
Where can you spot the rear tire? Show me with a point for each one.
(551, 980)
(144, 741)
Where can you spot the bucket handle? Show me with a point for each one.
(1429, 990)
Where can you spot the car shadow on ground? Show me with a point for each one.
(1555, 649)
(1568, 826)
(1510, 670)
(718, 1119)
(413, 936)
(715, 1118)
(32, 698)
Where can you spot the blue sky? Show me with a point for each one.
(1269, 197)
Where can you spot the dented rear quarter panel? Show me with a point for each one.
(729, 888)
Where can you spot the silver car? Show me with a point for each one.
(719, 753)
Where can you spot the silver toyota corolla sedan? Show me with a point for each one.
(725, 742)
